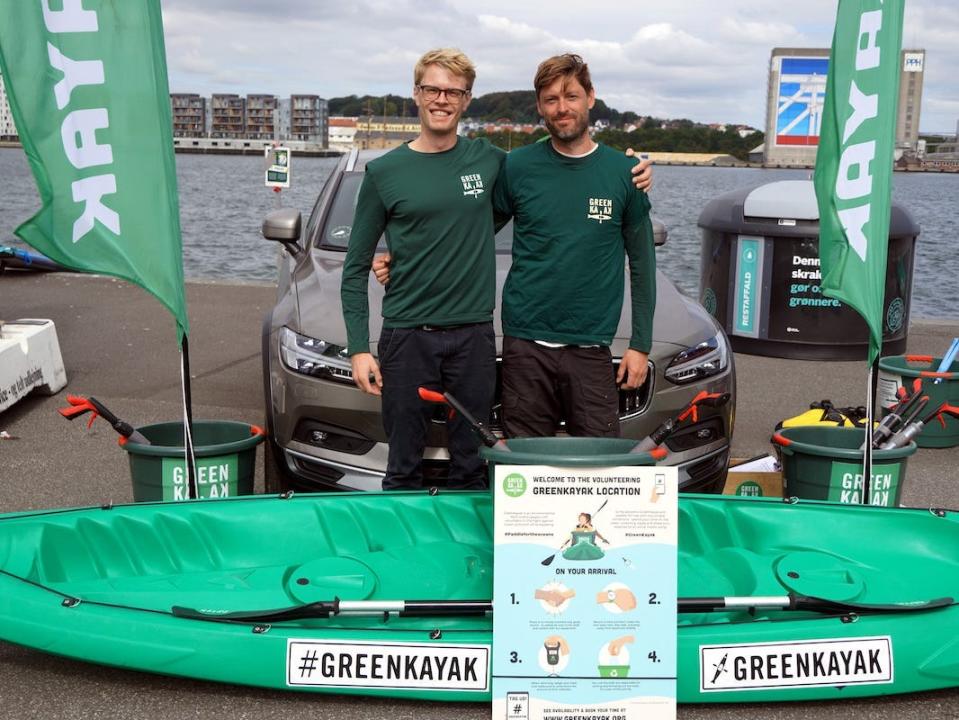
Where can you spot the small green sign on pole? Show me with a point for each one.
(278, 167)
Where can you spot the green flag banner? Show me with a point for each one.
(87, 85)
(854, 161)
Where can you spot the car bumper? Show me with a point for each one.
(327, 470)
(314, 420)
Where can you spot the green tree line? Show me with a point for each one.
(696, 139)
(353, 106)
(517, 106)
(689, 139)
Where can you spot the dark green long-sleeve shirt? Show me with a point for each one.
(436, 210)
(573, 221)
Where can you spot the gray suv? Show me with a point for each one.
(325, 433)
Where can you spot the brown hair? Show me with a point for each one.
(451, 60)
(567, 66)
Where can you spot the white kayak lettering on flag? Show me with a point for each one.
(88, 92)
(855, 157)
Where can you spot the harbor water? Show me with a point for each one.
(223, 202)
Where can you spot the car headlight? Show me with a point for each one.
(313, 357)
(700, 361)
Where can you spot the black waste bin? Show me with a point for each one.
(760, 278)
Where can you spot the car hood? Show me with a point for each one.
(679, 320)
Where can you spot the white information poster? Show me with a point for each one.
(584, 588)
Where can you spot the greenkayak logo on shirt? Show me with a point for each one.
(600, 210)
(472, 184)
(216, 477)
(514, 485)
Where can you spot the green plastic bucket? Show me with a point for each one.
(225, 453)
(570, 452)
(900, 370)
(825, 463)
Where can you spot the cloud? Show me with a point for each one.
(701, 59)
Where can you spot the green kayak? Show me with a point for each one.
(157, 587)
(583, 547)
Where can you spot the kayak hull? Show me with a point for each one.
(98, 585)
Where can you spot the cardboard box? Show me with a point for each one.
(753, 483)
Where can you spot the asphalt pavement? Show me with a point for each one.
(119, 345)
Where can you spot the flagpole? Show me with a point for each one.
(872, 384)
(189, 457)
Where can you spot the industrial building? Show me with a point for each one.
(797, 91)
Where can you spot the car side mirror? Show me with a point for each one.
(284, 226)
(659, 233)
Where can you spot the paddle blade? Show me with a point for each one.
(298, 612)
(822, 605)
(548, 561)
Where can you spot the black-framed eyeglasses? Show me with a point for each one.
(453, 95)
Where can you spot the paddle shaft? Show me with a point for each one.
(449, 608)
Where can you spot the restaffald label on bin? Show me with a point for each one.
(216, 477)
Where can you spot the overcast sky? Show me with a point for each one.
(702, 59)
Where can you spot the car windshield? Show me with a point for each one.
(339, 221)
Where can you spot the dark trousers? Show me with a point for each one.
(460, 361)
(544, 385)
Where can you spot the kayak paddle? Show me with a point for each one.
(80, 405)
(449, 608)
(331, 608)
(794, 601)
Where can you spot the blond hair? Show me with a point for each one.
(451, 60)
(562, 66)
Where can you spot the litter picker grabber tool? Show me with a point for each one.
(486, 435)
(911, 418)
(80, 405)
(887, 426)
(657, 436)
(549, 561)
(911, 430)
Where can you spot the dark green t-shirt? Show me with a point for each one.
(436, 210)
(573, 221)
